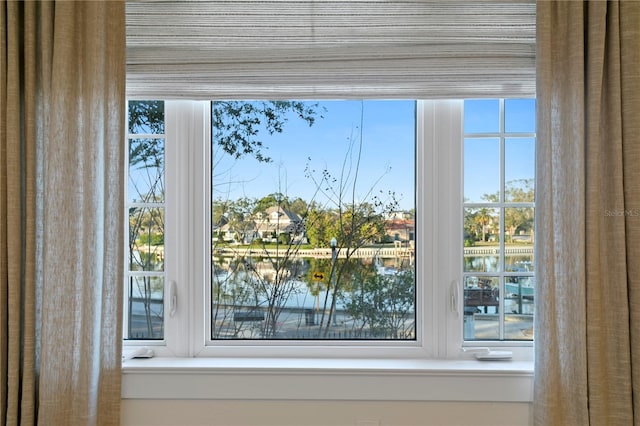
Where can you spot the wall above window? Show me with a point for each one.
(348, 49)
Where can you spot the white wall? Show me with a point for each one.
(142, 412)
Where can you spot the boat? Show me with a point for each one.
(524, 287)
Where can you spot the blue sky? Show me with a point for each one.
(387, 156)
(388, 151)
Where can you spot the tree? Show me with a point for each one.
(364, 224)
(384, 303)
(237, 127)
(299, 207)
(271, 276)
(353, 223)
(520, 191)
(357, 222)
(219, 213)
(237, 124)
(146, 253)
(483, 218)
(513, 218)
(515, 191)
(319, 224)
(271, 200)
(357, 226)
(519, 218)
(146, 223)
(470, 227)
(240, 217)
(228, 291)
(146, 117)
(265, 278)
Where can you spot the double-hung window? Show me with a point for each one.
(362, 228)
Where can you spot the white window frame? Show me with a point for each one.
(420, 348)
(187, 366)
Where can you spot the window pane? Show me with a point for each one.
(146, 307)
(146, 117)
(481, 170)
(518, 226)
(481, 240)
(146, 239)
(519, 258)
(520, 115)
(481, 116)
(519, 307)
(519, 169)
(313, 220)
(481, 307)
(146, 171)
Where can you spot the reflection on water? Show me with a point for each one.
(481, 263)
(278, 298)
(491, 262)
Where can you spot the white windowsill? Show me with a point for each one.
(327, 379)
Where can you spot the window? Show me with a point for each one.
(145, 275)
(357, 247)
(499, 172)
(312, 220)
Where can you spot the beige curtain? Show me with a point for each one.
(62, 75)
(588, 259)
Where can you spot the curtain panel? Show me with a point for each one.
(588, 214)
(61, 202)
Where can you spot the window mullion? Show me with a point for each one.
(501, 257)
(185, 129)
(200, 225)
(442, 136)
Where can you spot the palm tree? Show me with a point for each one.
(483, 218)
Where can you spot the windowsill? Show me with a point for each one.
(327, 379)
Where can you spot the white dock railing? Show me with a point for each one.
(364, 252)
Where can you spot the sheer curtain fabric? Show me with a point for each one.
(61, 226)
(588, 215)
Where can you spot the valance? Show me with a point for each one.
(330, 49)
